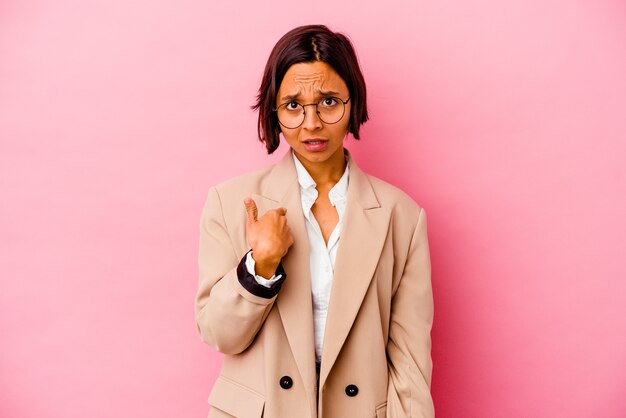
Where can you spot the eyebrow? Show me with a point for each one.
(321, 93)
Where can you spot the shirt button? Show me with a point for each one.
(286, 382)
(352, 390)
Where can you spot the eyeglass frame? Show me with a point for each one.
(275, 109)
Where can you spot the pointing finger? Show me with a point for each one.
(251, 209)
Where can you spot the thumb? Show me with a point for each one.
(251, 209)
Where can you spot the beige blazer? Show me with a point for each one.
(377, 336)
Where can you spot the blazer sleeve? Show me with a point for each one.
(409, 344)
(230, 306)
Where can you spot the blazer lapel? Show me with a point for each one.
(294, 300)
(364, 232)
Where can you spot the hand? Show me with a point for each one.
(269, 237)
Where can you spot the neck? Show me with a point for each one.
(326, 172)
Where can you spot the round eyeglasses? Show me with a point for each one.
(330, 110)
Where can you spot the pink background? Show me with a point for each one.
(505, 120)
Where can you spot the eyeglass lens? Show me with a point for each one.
(330, 110)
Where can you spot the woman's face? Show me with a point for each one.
(307, 83)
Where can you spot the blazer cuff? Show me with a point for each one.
(249, 282)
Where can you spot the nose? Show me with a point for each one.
(312, 120)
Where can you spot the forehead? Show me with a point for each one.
(311, 77)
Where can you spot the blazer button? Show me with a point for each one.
(286, 382)
(352, 390)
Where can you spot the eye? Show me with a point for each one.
(328, 102)
(292, 106)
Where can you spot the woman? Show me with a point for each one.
(315, 276)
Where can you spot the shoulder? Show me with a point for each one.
(403, 207)
(390, 195)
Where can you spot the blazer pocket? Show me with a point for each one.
(235, 399)
(381, 410)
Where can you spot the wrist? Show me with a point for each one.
(265, 262)
(264, 267)
(256, 284)
(265, 270)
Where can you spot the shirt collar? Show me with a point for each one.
(336, 195)
(304, 178)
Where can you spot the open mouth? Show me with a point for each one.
(316, 144)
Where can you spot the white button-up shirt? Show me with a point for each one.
(322, 255)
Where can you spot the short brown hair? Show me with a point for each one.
(309, 44)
